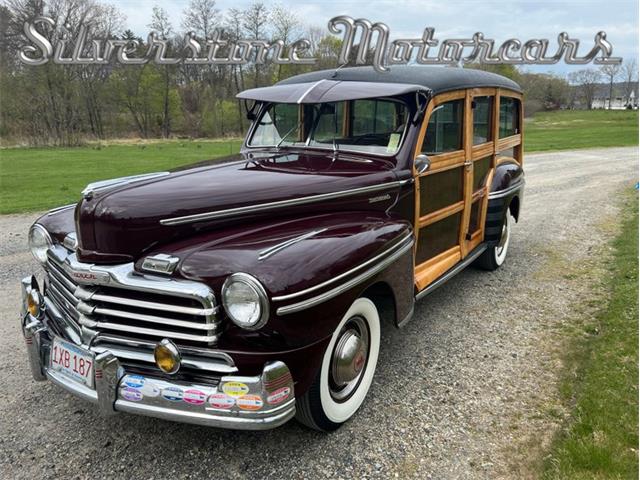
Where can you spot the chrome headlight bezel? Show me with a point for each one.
(37, 233)
(261, 299)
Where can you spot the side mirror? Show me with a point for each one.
(422, 163)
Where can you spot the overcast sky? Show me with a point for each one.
(500, 20)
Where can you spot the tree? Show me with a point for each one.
(611, 72)
(630, 75)
(201, 17)
(587, 83)
(161, 24)
(254, 22)
(286, 26)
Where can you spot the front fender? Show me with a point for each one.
(291, 257)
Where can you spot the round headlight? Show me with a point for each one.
(39, 242)
(245, 301)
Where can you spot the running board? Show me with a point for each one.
(475, 253)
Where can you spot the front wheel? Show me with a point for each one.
(493, 257)
(347, 369)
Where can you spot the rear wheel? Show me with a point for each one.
(493, 257)
(347, 369)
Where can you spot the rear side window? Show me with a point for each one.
(509, 116)
(444, 132)
(482, 108)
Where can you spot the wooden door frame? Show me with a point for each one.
(432, 268)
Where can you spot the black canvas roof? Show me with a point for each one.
(435, 78)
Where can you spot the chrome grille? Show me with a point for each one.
(136, 306)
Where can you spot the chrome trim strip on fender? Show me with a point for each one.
(506, 191)
(266, 253)
(475, 253)
(197, 217)
(59, 209)
(296, 307)
(342, 275)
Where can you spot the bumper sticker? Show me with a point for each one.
(150, 390)
(132, 394)
(194, 397)
(250, 402)
(279, 396)
(235, 389)
(134, 381)
(173, 394)
(221, 400)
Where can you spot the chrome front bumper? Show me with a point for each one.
(238, 402)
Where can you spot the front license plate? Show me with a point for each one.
(72, 361)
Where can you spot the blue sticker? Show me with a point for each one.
(173, 394)
(134, 381)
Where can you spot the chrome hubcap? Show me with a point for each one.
(349, 358)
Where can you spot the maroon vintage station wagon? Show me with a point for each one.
(245, 293)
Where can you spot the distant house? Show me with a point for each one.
(619, 101)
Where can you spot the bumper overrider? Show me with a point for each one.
(238, 402)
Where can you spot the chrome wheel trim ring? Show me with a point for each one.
(349, 359)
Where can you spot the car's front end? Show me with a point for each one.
(88, 329)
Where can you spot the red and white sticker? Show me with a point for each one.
(279, 396)
(194, 397)
(221, 400)
(250, 402)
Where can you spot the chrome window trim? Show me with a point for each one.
(345, 274)
(311, 302)
(261, 207)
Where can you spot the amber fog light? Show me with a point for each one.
(34, 302)
(167, 356)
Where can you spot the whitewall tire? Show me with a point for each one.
(347, 369)
(493, 257)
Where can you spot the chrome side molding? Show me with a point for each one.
(262, 207)
(405, 245)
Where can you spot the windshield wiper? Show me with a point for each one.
(298, 125)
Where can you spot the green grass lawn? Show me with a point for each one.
(601, 438)
(33, 179)
(570, 129)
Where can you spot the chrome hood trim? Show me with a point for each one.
(280, 204)
(103, 185)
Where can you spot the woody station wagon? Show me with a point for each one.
(245, 293)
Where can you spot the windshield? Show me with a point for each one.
(373, 126)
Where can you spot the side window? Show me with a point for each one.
(376, 116)
(444, 132)
(482, 108)
(509, 116)
(279, 120)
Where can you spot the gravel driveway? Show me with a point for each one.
(466, 390)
